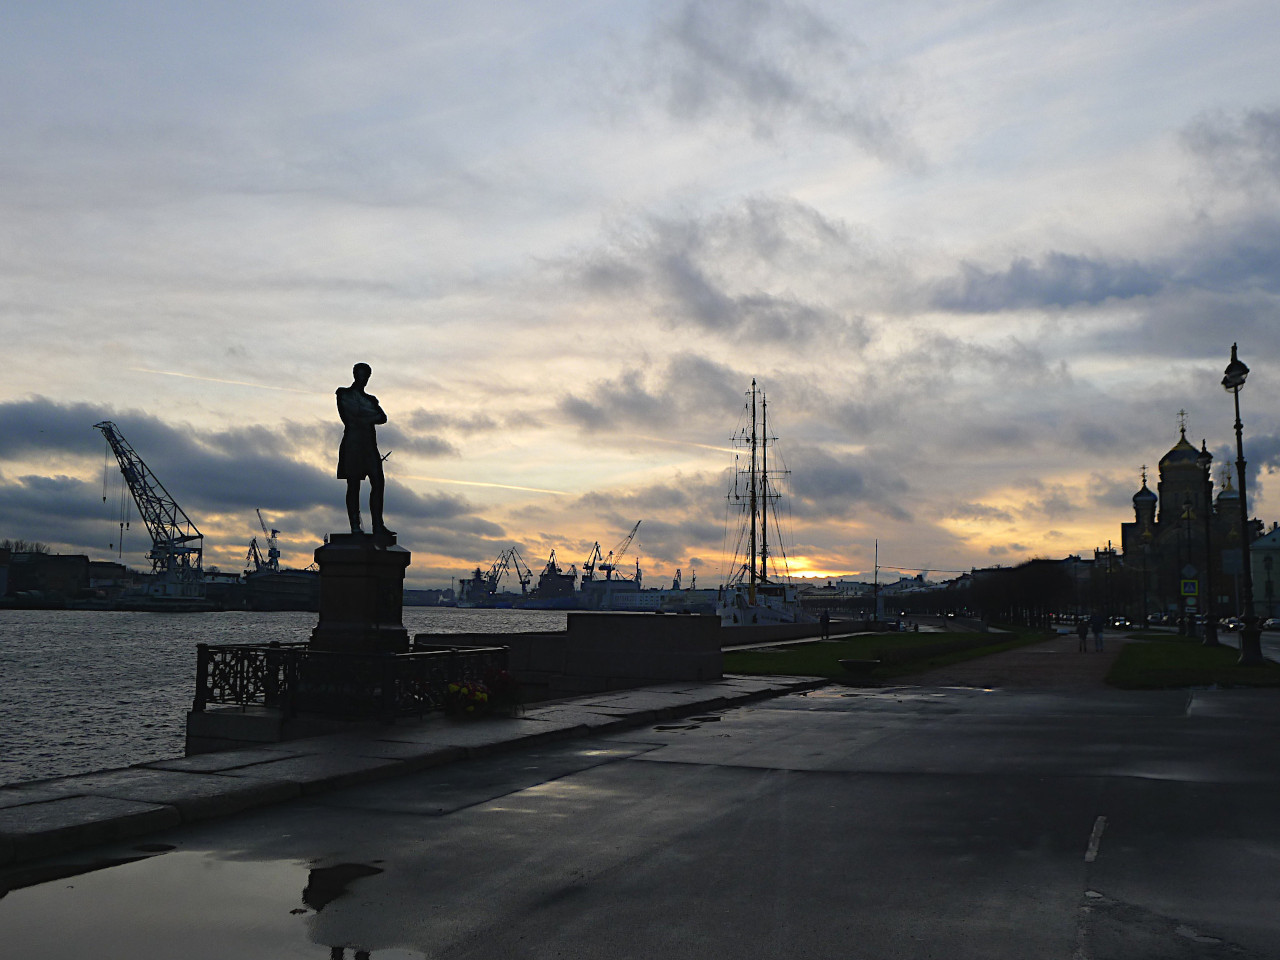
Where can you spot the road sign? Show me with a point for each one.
(1191, 588)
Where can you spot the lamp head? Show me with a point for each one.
(1234, 376)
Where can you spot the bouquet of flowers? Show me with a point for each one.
(467, 697)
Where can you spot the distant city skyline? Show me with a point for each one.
(979, 257)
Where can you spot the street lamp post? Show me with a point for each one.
(1204, 461)
(1186, 628)
(1233, 379)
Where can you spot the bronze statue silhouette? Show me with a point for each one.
(358, 455)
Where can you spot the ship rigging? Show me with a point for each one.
(756, 591)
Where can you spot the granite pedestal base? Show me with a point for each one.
(361, 595)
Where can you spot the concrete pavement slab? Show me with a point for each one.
(480, 735)
(19, 794)
(230, 759)
(588, 720)
(469, 784)
(50, 827)
(314, 773)
(194, 795)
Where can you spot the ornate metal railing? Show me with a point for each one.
(297, 679)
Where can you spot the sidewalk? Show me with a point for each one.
(1055, 664)
(47, 817)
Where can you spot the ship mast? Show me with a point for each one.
(764, 488)
(751, 561)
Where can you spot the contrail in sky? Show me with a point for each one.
(237, 383)
(481, 483)
(684, 443)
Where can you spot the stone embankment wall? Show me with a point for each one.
(604, 651)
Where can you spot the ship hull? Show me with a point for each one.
(283, 590)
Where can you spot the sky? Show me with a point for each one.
(977, 255)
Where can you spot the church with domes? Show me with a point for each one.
(1165, 544)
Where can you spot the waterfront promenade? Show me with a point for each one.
(925, 819)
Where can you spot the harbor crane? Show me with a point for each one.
(589, 564)
(272, 561)
(610, 563)
(177, 546)
(523, 573)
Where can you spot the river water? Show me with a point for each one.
(90, 690)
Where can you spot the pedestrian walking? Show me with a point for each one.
(1096, 623)
(826, 625)
(1082, 631)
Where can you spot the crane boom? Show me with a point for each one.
(176, 544)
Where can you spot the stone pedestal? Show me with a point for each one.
(361, 595)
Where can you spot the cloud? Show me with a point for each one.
(687, 388)
(1059, 280)
(215, 476)
(392, 437)
(978, 511)
(768, 269)
(771, 66)
(834, 486)
(38, 425)
(1241, 149)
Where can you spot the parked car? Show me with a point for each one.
(1271, 624)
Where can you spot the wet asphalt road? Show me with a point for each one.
(890, 823)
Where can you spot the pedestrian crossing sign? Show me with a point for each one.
(1191, 588)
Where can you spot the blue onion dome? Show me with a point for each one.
(1145, 495)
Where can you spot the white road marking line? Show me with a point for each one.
(1095, 838)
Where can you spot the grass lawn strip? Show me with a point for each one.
(1185, 662)
(901, 654)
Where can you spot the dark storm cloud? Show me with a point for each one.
(1240, 150)
(392, 438)
(828, 486)
(673, 517)
(227, 471)
(39, 425)
(1058, 280)
(687, 389)
(770, 65)
(59, 510)
(1234, 257)
(732, 273)
(435, 507)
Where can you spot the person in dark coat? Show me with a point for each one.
(1097, 623)
(358, 455)
(1082, 631)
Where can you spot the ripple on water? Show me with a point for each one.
(89, 690)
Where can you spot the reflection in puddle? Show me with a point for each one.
(186, 904)
(326, 884)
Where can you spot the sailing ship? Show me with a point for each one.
(754, 592)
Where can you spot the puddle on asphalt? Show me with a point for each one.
(188, 904)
